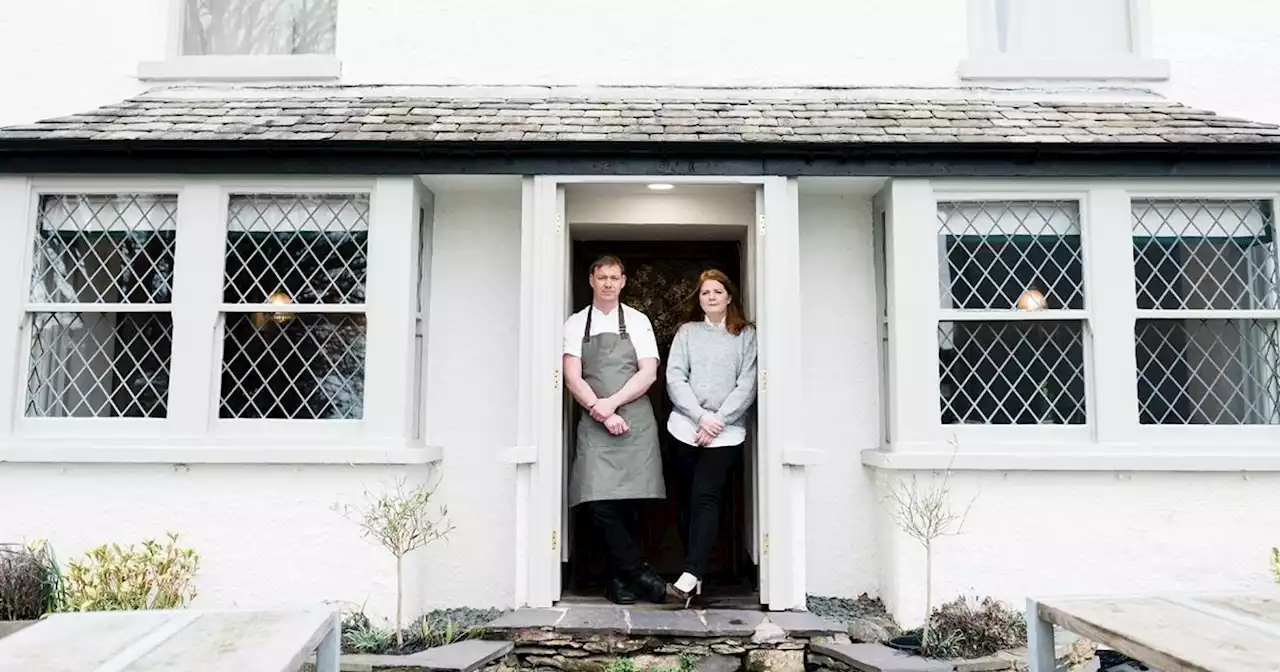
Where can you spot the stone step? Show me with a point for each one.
(710, 623)
(464, 656)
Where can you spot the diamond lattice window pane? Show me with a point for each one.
(311, 248)
(245, 27)
(1205, 255)
(93, 248)
(293, 366)
(99, 365)
(1012, 373)
(1208, 372)
(990, 252)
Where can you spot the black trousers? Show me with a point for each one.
(617, 521)
(701, 475)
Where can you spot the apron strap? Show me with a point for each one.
(586, 332)
(622, 322)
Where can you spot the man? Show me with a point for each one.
(610, 360)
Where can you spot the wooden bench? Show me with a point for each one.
(1194, 633)
(169, 641)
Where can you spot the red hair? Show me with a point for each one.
(735, 319)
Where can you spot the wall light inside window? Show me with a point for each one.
(662, 186)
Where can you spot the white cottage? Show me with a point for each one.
(251, 275)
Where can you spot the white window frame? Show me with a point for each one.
(987, 61)
(180, 67)
(85, 426)
(1112, 437)
(192, 432)
(1245, 437)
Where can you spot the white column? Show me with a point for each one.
(199, 266)
(911, 262)
(391, 305)
(782, 424)
(1108, 249)
(15, 208)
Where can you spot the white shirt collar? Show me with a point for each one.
(714, 324)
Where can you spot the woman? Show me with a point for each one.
(711, 379)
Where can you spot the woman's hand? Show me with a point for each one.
(703, 439)
(616, 425)
(603, 409)
(710, 425)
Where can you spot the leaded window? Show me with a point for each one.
(1207, 338)
(98, 306)
(294, 290)
(1011, 335)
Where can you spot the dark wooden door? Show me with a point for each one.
(661, 278)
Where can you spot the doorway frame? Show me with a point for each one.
(772, 261)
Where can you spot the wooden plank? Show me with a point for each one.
(77, 642)
(1167, 635)
(1264, 609)
(241, 641)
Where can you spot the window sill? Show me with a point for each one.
(301, 68)
(1207, 460)
(1148, 69)
(219, 455)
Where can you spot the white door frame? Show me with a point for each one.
(539, 459)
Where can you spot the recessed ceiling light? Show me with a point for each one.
(662, 186)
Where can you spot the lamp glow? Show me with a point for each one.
(662, 186)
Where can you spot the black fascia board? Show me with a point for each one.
(385, 157)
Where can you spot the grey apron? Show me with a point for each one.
(627, 466)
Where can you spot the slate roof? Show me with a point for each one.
(344, 113)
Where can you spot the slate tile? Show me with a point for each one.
(593, 620)
(464, 656)
(682, 623)
(879, 658)
(521, 619)
(732, 622)
(803, 623)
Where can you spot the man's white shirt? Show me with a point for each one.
(638, 328)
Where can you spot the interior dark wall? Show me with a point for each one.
(661, 277)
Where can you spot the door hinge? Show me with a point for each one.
(555, 540)
(764, 380)
(766, 543)
(559, 223)
(555, 379)
(760, 219)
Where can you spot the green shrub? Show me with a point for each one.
(965, 629)
(116, 578)
(30, 582)
(1275, 563)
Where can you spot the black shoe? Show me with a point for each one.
(650, 586)
(619, 592)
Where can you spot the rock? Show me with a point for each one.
(728, 649)
(768, 632)
(870, 630)
(823, 662)
(765, 660)
(718, 663)
(648, 663)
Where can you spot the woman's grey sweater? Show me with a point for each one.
(712, 371)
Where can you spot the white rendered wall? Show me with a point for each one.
(266, 534)
(472, 386)
(1043, 534)
(64, 56)
(841, 386)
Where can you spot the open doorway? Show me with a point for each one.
(665, 243)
